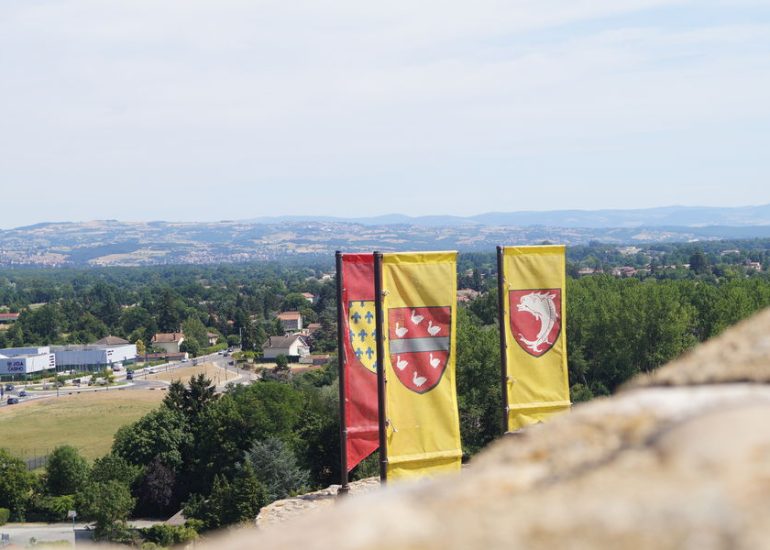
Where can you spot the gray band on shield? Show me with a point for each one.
(416, 345)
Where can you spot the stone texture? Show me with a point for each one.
(282, 510)
(680, 459)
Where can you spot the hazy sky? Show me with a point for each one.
(230, 109)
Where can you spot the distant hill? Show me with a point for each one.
(670, 216)
(111, 242)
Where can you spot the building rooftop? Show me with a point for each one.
(111, 341)
(282, 342)
(167, 337)
(289, 315)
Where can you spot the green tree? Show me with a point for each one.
(137, 318)
(229, 427)
(66, 471)
(108, 504)
(275, 466)
(294, 302)
(156, 490)
(112, 467)
(249, 495)
(699, 262)
(195, 330)
(485, 307)
(169, 311)
(162, 433)
(141, 348)
(192, 399)
(191, 347)
(317, 432)
(478, 381)
(15, 485)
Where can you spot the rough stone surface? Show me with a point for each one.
(281, 510)
(680, 459)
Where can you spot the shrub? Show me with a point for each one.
(5, 513)
(50, 509)
(168, 535)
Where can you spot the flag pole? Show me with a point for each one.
(380, 366)
(344, 487)
(503, 344)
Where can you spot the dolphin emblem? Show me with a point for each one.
(542, 307)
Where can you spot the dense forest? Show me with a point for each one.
(222, 457)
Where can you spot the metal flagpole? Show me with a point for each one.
(380, 366)
(341, 365)
(503, 344)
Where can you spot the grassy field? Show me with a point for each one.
(86, 421)
(216, 374)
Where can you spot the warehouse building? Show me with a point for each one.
(104, 353)
(23, 361)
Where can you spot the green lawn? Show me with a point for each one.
(86, 421)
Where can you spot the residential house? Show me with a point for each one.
(465, 295)
(212, 338)
(7, 318)
(309, 297)
(311, 328)
(292, 346)
(168, 341)
(291, 321)
(624, 271)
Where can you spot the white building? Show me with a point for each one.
(294, 345)
(96, 355)
(24, 361)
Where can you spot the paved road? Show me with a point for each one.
(140, 380)
(21, 533)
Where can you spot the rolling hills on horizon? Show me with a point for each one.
(112, 242)
(671, 216)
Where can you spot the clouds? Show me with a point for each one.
(326, 97)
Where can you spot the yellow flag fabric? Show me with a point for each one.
(419, 322)
(534, 319)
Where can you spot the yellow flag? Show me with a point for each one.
(419, 321)
(534, 325)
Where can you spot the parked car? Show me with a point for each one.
(76, 381)
(185, 360)
(12, 400)
(23, 393)
(9, 387)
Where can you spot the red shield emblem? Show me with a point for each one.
(419, 345)
(536, 318)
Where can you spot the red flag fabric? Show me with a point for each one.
(360, 353)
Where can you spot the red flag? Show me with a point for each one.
(360, 352)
